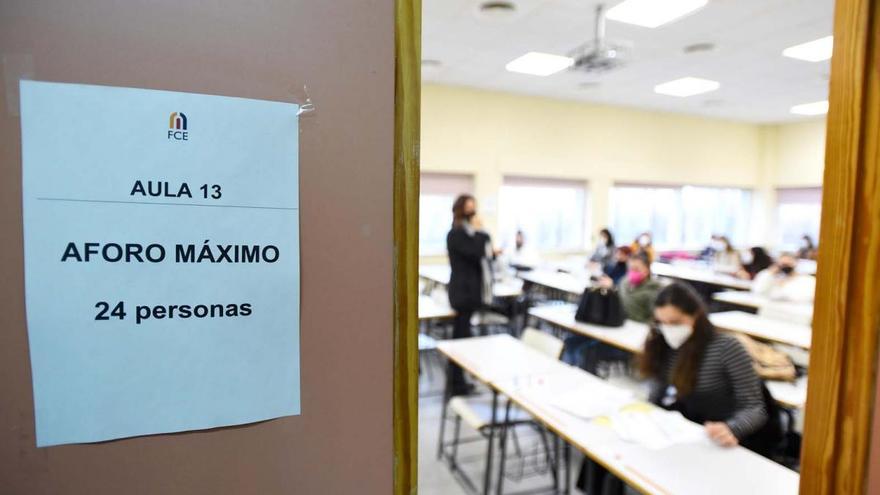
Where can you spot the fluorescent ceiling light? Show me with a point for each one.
(653, 13)
(539, 64)
(815, 108)
(687, 86)
(812, 51)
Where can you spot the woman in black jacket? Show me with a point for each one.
(470, 282)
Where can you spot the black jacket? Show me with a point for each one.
(466, 279)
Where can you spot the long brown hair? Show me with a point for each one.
(458, 215)
(653, 361)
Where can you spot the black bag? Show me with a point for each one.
(601, 307)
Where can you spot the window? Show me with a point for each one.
(551, 213)
(437, 193)
(798, 212)
(680, 217)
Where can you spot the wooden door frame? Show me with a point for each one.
(407, 106)
(843, 360)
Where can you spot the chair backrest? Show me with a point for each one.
(542, 342)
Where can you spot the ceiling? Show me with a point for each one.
(758, 84)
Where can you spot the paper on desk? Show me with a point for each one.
(592, 401)
(656, 429)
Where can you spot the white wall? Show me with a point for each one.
(491, 134)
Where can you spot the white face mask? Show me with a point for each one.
(676, 335)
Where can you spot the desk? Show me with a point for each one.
(681, 469)
(763, 328)
(790, 395)
(558, 281)
(430, 309)
(698, 273)
(745, 299)
(490, 359)
(630, 337)
(439, 274)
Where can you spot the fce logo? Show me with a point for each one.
(177, 127)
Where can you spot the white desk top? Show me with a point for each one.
(435, 273)
(507, 288)
(497, 357)
(431, 309)
(564, 282)
(630, 337)
(681, 469)
(763, 328)
(698, 273)
(791, 395)
(798, 311)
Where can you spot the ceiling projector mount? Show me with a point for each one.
(599, 55)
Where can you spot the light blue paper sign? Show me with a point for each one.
(161, 236)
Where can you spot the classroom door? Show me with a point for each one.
(342, 52)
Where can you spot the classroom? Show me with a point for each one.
(619, 217)
(440, 247)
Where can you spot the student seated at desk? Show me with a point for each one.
(603, 255)
(637, 291)
(757, 260)
(706, 375)
(617, 269)
(644, 243)
(782, 282)
(726, 259)
(522, 256)
(808, 249)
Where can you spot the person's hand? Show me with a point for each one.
(497, 251)
(720, 433)
(605, 282)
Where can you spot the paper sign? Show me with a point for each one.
(161, 236)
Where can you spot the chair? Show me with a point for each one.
(476, 412)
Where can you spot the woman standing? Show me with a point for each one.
(470, 282)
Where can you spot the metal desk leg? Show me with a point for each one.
(567, 461)
(503, 447)
(488, 475)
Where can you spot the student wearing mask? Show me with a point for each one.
(726, 258)
(781, 282)
(758, 261)
(637, 290)
(644, 243)
(617, 270)
(603, 255)
(470, 281)
(706, 375)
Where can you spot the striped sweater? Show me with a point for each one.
(727, 388)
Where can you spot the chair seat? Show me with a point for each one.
(489, 318)
(476, 412)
